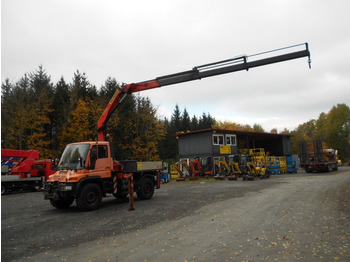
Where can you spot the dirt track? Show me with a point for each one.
(302, 217)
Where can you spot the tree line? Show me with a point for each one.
(37, 114)
(332, 127)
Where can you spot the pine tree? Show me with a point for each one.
(40, 128)
(19, 108)
(121, 128)
(185, 121)
(174, 127)
(194, 123)
(175, 124)
(206, 121)
(108, 89)
(79, 88)
(149, 132)
(61, 105)
(6, 112)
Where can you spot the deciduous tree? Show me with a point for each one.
(338, 129)
(82, 123)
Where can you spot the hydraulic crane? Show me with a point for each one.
(87, 171)
(238, 63)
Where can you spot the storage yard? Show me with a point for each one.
(205, 213)
(290, 217)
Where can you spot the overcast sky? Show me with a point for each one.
(134, 41)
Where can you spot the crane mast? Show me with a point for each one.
(235, 64)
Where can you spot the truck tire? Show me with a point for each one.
(62, 203)
(145, 189)
(90, 197)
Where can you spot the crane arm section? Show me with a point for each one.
(238, 63)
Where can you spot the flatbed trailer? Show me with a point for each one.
(313, 157)
(16, 182)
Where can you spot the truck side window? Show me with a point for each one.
(93, 157)
(102, 152)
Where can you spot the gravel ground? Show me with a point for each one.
(302, 217)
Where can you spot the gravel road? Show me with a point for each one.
(302, 217)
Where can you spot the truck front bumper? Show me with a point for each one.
(56, 190)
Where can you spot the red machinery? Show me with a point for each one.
(193, 167)
(197, 168)
(28, 172)
(86, 171)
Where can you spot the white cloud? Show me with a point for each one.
(139, 40)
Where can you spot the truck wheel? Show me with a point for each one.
(62, 203)
(145, 189)
(90, 197)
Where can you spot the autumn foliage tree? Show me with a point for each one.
(338, 129)
(148, 131)
(82, 123)
(15, 107)
(27, 112)
(228, 125)
(332, 127)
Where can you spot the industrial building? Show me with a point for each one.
(214, 143)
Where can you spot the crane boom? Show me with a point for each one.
(222, 67)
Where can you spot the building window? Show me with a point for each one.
(231, 140)
(218, 139)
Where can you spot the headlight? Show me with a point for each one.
(67, 188)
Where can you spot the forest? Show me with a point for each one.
(38, 114)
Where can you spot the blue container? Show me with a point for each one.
(291, 165)
(164, 178)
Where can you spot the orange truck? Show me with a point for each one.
(22, 169)
(87, 172)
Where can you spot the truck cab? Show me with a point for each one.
(83, 160)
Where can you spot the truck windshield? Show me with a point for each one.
(74, 157)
